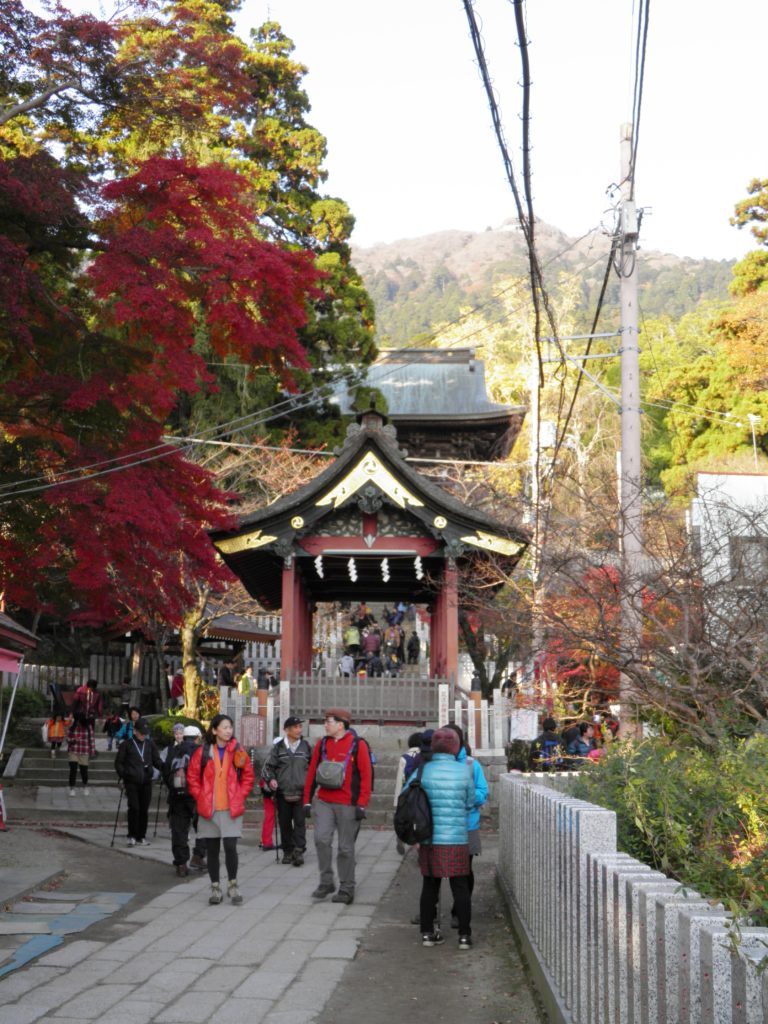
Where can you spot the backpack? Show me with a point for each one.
(178, 773)
(352, 755)
(413, 814)
(551, 756)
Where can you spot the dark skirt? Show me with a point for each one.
(444, 861)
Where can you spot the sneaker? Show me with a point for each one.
(322, 891)
(216, 894)
(71, 792)
(465, 942)
(143, 842)
(131, 842)
(86, 791)
(432, 939)
(53, 753)
(298, 858)
(288, 857)
(343, 897)
(454, 921)
(233, 892)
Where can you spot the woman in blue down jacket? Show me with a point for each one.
(451, 793)
(464, 756)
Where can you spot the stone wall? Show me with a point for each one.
(611, 941)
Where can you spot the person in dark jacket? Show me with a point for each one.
(451, 791)
(285, 772)
(580, 745)
(135, 760)
(181, 805)
(547, 749)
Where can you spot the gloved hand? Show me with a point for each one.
(359, 813)
(308, 810)
(273, 784)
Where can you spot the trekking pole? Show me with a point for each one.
(117, 816)
(157, 812)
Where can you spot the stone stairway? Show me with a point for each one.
(38, 768)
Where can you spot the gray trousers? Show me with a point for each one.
(330, 818)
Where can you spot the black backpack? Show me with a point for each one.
(413, 814)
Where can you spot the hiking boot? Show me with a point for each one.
(322, 891)
(182, 870)
(197, 862)
(343, 897)
(288, 857)
(298, 858)
(233, 892)
(432, 938)
(465, 942)
(216, 894)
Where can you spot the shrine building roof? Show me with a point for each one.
(368, 507)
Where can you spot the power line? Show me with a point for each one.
(293, 403)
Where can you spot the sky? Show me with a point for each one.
(395, 89)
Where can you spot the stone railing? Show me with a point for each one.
(610, 940)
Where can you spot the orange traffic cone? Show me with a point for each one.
(3, 826)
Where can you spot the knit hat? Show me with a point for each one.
(341, 714)
(426, 739)
(445, 741)
(178, 727)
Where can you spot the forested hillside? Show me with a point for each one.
(420, 283)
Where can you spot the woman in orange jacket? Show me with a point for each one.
(220, 776)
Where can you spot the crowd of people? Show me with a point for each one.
(374, 649)
(209, 777)
(572, 747)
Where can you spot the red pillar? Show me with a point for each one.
(436, 635)
(288, 666)
(451, 620)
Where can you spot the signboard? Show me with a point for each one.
(253, 731)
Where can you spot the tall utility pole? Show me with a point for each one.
(630, 498)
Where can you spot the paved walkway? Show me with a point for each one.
(281, 958)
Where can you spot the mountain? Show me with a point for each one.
(417, 283)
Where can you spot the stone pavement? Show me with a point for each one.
(281, 958)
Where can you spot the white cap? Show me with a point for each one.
(192, 730)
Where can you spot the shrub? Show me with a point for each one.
(701, 816)
(28, 704)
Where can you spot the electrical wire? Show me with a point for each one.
(637, 101)
(279, 409)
